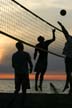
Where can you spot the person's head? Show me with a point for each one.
(40, 39)
(19, 46)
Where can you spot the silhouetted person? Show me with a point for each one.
(22, 64)
(67, 51)
(41, 64)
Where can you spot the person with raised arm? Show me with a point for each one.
(41, 64)
(67, 51)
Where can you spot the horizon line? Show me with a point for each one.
(32, 76)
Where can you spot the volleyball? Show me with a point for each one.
(63, 12)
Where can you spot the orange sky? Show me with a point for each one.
(32, 76)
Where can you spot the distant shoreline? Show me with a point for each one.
(33, 79)
(7, 76)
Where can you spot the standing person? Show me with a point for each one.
(67, 51)
(22, 64)
(41, 64)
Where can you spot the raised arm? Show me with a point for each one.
(66, 34)
(53, 39)
(53, 31)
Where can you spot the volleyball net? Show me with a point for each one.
(19, 23)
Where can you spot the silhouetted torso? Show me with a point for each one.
(20, 61)
(43, 46)
(41, 64)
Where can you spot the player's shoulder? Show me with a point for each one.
(15, 53)
(26, 53)
(37, 44)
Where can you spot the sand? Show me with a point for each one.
(10, 100)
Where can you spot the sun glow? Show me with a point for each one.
(32, 76)
(1, 55)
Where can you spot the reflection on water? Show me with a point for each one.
(8, 86)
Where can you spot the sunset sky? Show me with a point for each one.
(46, 9)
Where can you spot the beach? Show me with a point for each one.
(7, 86)
(35, 99)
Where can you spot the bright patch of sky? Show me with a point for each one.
(47, 3)
(50, 10)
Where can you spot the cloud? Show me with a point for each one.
(65, 4)
(35, 4)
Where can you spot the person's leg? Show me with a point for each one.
(28, 81)
(41, 80)
(36, 80)
(24, 83)
(70, 91)
(67, 81)
(67, 69)
(17, 85)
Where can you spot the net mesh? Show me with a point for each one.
(23, 24)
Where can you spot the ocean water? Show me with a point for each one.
(7, 86)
